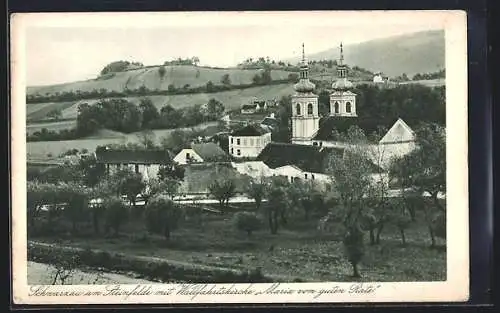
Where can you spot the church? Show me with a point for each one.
(308, 128)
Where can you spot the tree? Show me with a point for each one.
(161, 71)
(225, 80)
(147, 139)
(222, 190)
(92, 172)
(351, 179)
(76, 198)
(129, 184)
(276, 205)
(209, 87)
(162, 216)
(149, 112)
(195, 60)
(215, 109)
(425, 169)
(170, 171)
(256, 191)
(246, 221)
(116, 213)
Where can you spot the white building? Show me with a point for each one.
(248, 142)
(377, 78)
(201, 152)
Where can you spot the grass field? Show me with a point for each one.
(178, 75)
(297, 250)
(45, 150)
(232, 99)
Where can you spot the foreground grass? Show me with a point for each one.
(296, 251)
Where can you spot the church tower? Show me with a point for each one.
(305, 115)
(342, 100)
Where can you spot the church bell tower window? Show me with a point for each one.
(348, 107)
(310, 109)
(297, 108)
(336, 107)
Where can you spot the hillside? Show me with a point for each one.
(232, 99)
(420, 52)
(149, 77)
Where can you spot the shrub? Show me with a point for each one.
(162, 216)
(246, 221)
(115, 213)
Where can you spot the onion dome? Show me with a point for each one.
(342, 84)
(304, 84)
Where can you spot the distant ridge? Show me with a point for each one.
(420, 52)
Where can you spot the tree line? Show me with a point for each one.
(210, 87)
(125, 116)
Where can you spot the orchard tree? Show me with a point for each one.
(130, 184)
(162, 216)
(247, 222)
(351, 179)
(222, 190)
(92, 172)
(277, 202)
(171, 171)
(116, 213)
(256, 191)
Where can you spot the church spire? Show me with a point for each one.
(304, 85)
(341, 68)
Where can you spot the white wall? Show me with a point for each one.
(146, 170)
(249, 146)
(181, 157)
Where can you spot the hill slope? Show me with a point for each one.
(420, 52)
(177, 75)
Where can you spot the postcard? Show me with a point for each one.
(239, 157)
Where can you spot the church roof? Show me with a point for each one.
(306, 157)
(342, 124)
(133, 156)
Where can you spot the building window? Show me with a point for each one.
(321, 143)
(305, 175)
(244, 141)
(336, 107)
(348, 107)
(315, 143)
(231, 140)
(238, 141)
(232, 150)
(251, 141)
(310, 109)
(238, 152)
(297, 108)
(312, 176)
(137, 168)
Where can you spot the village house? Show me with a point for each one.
(248, 141)
(254, 106)
(306, 163)
(270, 122)
(201, 153)
(145, 162)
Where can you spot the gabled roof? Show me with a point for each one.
(133, 156)
(342, 124)
(210, 152)
(408, 133)
(248, 106)
(250, 130)
(269, 121)
(308, 158)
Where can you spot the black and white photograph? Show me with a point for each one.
(292, 156)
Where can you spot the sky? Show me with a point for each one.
(67, 51)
